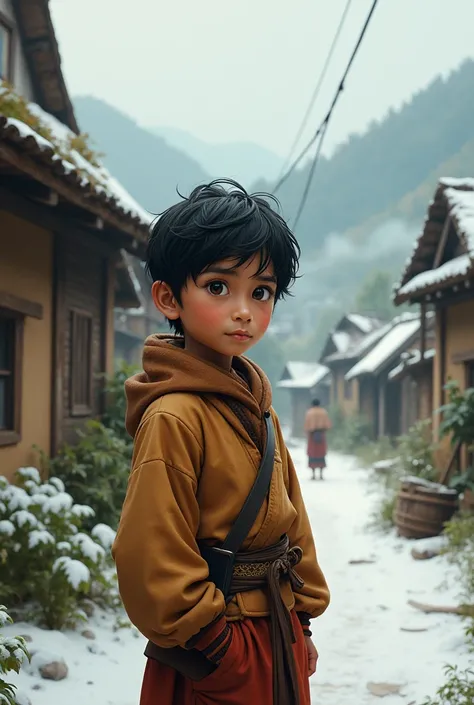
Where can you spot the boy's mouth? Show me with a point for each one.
(239, 335)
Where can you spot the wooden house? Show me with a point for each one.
(384, 398)
(134, 324)
(64, 223)
(352, 337)
(440, 275)
(305, 381)
(415, 375)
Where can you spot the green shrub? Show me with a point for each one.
(458, 423)
(95, 471)
(348, 433)
(458, 415)
(457, 690)
(416, 449)
(116, 406)
(13, 653)
(460, 552)
(48, 561)
(372, 452)
(414, 456)
(96, 468)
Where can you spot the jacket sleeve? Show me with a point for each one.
(313, 598)
(163, 580)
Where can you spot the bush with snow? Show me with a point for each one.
(13, 653)
(95, 470)
(48, 561)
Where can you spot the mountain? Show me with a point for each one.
(149, 168)
(244, 161)
(372, 171)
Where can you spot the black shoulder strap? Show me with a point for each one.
(259, 491)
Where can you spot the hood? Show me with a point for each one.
(168, 368)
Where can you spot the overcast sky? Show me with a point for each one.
(245, 70)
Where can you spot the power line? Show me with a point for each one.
(321, 131)
(310, 175)
(317, 88)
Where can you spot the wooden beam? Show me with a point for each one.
(442, 352)
(29, 189)
(21, 306)
(464, 356)
(73, 194)
(454, 455)
(442, 242)
(422, 330)
(58, 344)
(49, 219)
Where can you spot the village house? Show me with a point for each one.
(352, 337)
(64, 224)
(440, 275)
(390, 403)
(134, 324)
(415, 374)
(305, 381)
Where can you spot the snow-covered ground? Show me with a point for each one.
(369, 633)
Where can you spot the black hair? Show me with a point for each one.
(216, 223)
(315, 402)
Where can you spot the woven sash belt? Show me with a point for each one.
(266, 568)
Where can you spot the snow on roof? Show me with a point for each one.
(341, 340)
(303, 375)
(459, 266)
(458, 183)
(400, 333)
(370, 339)
(413, 359)
(100, 178)
(364, 323)
(462, 211)
(456, 195)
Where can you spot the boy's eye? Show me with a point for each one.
(217, 288)
(262, 293)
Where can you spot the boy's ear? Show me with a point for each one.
(164, 300)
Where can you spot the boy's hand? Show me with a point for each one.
(312, 655)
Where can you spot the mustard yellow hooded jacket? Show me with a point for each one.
(193, 466)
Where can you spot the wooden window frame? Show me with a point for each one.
(12, 436)
(80, 409)
(8, 26)
(468, 371)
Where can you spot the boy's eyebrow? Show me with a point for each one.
(223, 270)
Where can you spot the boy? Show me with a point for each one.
(219, 261)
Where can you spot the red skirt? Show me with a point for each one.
(317, 449)
(244, 676)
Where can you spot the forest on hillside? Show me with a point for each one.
(372, 171)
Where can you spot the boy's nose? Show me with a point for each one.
(243, 314)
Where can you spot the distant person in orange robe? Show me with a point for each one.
(316, 423)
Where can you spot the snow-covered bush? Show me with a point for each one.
(416, 450)
(13, 653)
(95, 470)
(48, 562)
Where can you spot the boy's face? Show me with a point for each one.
(225, 311)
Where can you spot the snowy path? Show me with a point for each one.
(359, 638)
